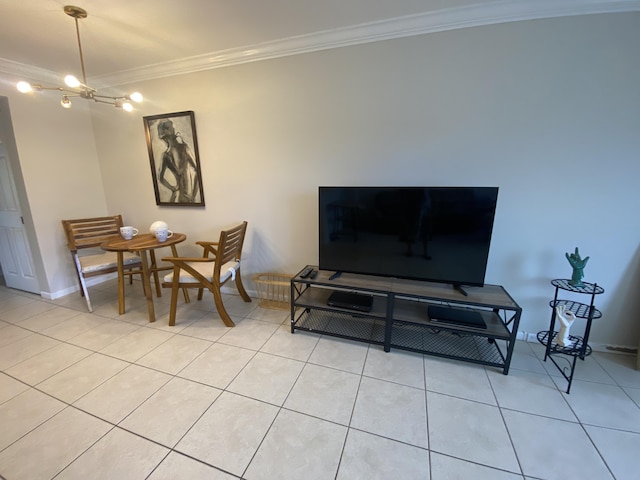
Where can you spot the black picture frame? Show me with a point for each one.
(175, 162)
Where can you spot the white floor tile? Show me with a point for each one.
(136, 344)
(174, 354)
(619, 450)
(102, 335)
(122, 393)
(82, 377)
(176, 466)
(341, 354)
(603, 406)
(25, 311)
(40, 367)
(530, 392)
(377, 458)
(170, 412)
(218, 365)
(48, 319)
(554, 449)
(267, 377)
(470, 431)
(229, 433)
(324, 393)
(444, 467)
(23, 413)
(396, 366)
(10, 387)
(73, 326)
(298, 446)
(252, 334)
(118, 454)
(12, 333)
(285, 344)
(23, 349)
(391, 410)
(458, 379)
(52, 446)
(620, 367)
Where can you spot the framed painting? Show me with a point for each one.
(175, 162)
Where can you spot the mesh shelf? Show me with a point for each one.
(445, 343)
(574, 350)
(586, 287)
(580, 310)
(354, 327)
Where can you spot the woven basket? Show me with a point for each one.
(274, 290)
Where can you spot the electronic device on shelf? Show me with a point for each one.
(436, 234)
(350, 300)
(456, 316)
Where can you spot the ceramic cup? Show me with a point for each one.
(163, 233)
(128, 232)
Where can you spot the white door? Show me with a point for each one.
(15, 254)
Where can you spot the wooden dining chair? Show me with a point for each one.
(84, 234)
(220, 262)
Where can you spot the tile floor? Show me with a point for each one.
(103, 396)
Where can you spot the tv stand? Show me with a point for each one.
(460, 289)
(399, 316)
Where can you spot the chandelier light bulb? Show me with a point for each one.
(136, 97)
(24, 87)
(65, 102)
(71, 81)
(127, 106)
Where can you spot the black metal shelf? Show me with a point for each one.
(579, 348)
(399, 316)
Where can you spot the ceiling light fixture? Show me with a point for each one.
(75, 88)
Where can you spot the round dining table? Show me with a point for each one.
(145, 245)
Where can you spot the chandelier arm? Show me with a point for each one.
(110, 97)
(99, 100)
(74, 93)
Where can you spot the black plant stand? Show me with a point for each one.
(580, 347)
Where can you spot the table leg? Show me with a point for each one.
(120, 283)
(146, 277)
(153, 269)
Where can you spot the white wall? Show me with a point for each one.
(548, 110)
(59, 166)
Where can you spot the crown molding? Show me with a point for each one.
(499, 11)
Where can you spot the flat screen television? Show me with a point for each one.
(436, 234)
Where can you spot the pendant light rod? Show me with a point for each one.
(77, 13)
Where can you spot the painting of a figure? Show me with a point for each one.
(175, 163)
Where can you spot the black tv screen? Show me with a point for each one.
(437, 234)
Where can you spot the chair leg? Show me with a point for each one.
(240, 287)
(83, 284)
(217, 298)
(174, 297)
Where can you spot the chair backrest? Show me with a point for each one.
(91, 232)
(230, 246)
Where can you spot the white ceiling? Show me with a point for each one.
(129, 40)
